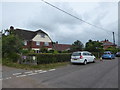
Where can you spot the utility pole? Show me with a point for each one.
(113, 38)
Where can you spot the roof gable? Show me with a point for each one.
(27, 34)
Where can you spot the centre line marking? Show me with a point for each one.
(16, 73)
(38, 70)
(32, 73)
(29, 72)
(21, 76)
(52, 69)
(42, 71)
(8, 78)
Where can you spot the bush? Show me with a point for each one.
(13, 57)
(24, 51)
(52, 58)
(51, 51)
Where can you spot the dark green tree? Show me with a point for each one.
(43, 49)
(113, 49)
(77, 46)
(11, 46)
(94, 46)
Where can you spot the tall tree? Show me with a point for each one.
(11, 45)
(94, 46)
(77, 46)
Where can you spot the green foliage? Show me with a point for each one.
(55, 52)
(24, 52)
(11, 46)
(113, 49)
(43, 50)
(94, 46)
(13, 57)
(51, 58)
(33, 67)
(77, 46)
(51, 51)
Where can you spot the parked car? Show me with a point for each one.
(118, 54)
(108, 55)
(82, 57)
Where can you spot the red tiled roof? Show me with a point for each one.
(105, 43)
(61, 47)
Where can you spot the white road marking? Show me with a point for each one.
(29, 72)
(42, 71)
(16, 73)
(32, 73)
(21, 76)
(8, 78)
(38, 70)
(52, 69)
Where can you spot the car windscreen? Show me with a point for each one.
(107, 52)
(76, 54)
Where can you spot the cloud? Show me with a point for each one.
(52, 19)
(60, 26)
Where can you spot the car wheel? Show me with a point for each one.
(85, 62)
(94, 60)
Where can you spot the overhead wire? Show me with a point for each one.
(77, 17)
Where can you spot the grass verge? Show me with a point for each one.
(34, 67)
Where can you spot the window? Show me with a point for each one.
(25, 42)
(76, 54)
(46, 43)
(43, 35)
(85, 54)
(37, 43)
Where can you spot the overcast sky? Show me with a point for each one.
(60, 26)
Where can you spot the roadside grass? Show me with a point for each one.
(34, 67)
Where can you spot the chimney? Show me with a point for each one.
(105, 40)
(11, 28)
(56, 42)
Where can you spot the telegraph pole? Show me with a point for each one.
(113, 38)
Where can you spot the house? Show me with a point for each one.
(107, 44)
(33, 39)
(36, 39)
(62, 47)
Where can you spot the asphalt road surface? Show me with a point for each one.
(102, 74)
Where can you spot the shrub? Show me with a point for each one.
(52, 58)
(12, 57)
(24, 51)
(51, 51)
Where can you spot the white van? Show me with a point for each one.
(82, 57)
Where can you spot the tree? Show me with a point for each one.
(112, 49)
(11, 46)
(77, 46)
(43, 49)
(94, 46)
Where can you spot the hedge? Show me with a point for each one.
(51, 58)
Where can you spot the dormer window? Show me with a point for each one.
(43, 35)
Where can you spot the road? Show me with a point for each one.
(102, 74)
